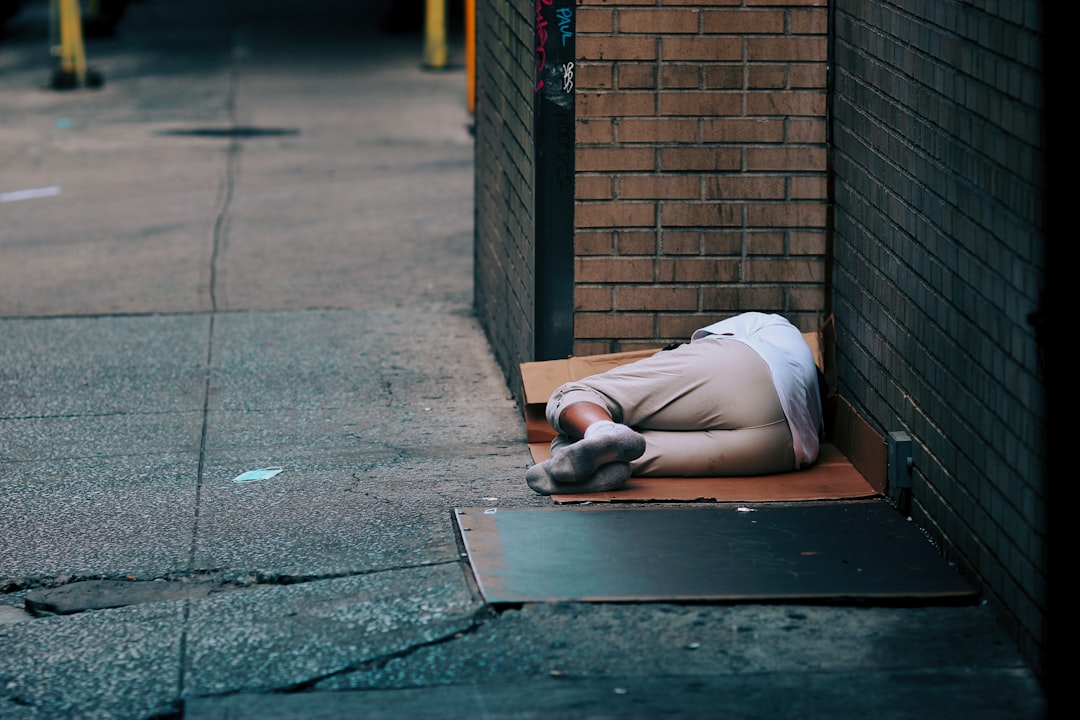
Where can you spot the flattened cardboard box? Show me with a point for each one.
(832, 477)
(539, 380)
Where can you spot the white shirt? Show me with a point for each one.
(794, 374)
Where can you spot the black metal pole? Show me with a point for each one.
(553, 137)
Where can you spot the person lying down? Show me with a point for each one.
(743, 397)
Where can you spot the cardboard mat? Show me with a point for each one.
(832, 477)
(847, 552)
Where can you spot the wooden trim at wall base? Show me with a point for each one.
(858, 441)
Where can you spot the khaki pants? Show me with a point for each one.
(706, 408)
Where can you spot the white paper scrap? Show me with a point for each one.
(253, 475)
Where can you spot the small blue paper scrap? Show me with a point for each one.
(253, 475)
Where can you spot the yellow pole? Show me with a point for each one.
(72, 52)
(71, 70)
(470, 53)
(435, 33)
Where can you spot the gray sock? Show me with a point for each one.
(607, 477)
(577, 462)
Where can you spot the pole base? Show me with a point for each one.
(70, 80)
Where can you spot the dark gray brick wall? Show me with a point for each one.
(938, 262)
(503, 268)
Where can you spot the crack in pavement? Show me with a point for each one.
(66, 595)
(476, 620)
(468, 625)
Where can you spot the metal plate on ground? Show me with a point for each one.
(849, 552)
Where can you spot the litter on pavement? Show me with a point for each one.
(253, 475)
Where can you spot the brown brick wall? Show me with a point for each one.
(701, 166)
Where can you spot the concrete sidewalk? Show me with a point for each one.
(252, 248)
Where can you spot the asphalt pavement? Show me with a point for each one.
(251, 248)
